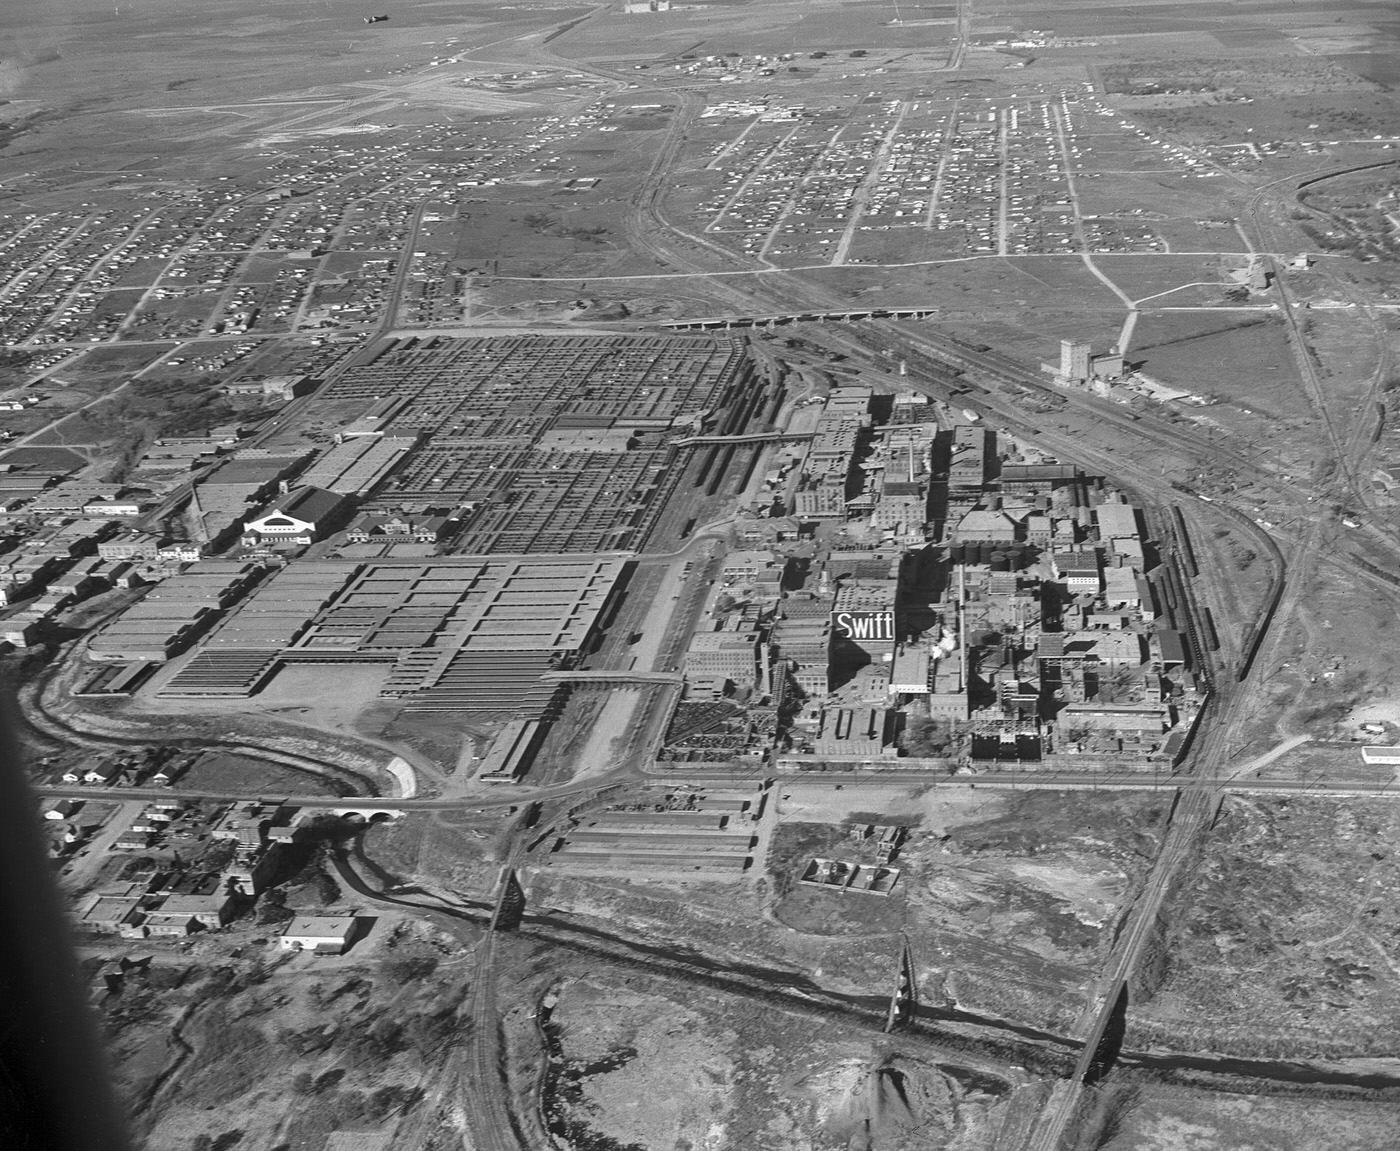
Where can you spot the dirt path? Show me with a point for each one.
(607, 734)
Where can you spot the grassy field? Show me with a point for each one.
(1238, 358)
(220, 771)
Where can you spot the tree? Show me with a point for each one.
(393, 1098)
(407, 966)
(925, 736)
(273, 908)
(326, 887)
(1116, 687)
(432, 1033)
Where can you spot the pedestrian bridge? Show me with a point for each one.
(619, 677)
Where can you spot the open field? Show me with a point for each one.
(1239, 359)
(457, 849)
(1001, 896)
(1008, 897)
(213, 1049)
(738, 1077)
(1315, 939)
(1336, 669)
(1156, 1117)
(216, 771)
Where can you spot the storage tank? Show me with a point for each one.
(999, 561)
(957, 554)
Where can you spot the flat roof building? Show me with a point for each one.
(1117, 521)
(473, 632)
(322, 934)
(174, 612)
(356, 466)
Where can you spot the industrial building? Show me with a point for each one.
(826, 477)
(359, 464)
(320, 934)
(223, 499)
(174, 613)
(719, 660)
(512, 751)
(474, 633)
(1080, 367)
(302, 516)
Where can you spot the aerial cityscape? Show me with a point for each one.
(716, 576)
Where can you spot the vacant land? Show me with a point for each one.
(1241, 359)
(1006, 899)
(239, 774)
(455, 849)
(736, 1076)
(1016, 900)
(1161, 1118)
(1305, 967)
(251, 1046)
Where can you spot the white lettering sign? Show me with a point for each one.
(865, 624)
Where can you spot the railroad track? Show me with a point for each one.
(44, 721)
(785, 990)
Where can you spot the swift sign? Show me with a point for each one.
(858, 625)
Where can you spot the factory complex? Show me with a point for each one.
(892, 581)
(924, 587)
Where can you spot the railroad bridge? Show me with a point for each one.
(746, 438)
(904, 1001)
(725, 323)
(509, 907)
